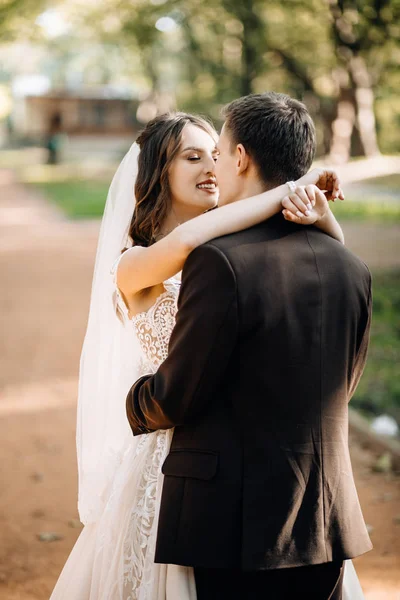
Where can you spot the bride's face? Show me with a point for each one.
(192, 178)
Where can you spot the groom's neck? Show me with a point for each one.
(251, 187)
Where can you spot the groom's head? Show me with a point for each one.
(267, 139)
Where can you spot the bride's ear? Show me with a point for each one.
(242, 159)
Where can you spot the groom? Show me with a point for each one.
(269, 344)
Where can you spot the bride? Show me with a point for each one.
(154, 217)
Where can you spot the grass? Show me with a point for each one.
(379, 388)
(368, 210)
(79, 199)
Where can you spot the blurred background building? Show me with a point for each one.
(88, 111)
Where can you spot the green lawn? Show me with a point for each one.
(369, 210)
(379, 388)
(79, 199)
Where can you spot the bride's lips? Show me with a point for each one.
(208, 185)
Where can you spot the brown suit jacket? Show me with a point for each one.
(269, 344)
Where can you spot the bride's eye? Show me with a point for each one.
(193, 158)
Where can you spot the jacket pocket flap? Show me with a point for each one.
(197, 464)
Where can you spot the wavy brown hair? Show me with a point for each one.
(159, 143)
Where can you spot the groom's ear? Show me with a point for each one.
(242, 159)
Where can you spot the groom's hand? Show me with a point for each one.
(325, 179)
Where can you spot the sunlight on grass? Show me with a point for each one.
(368, 210)
(379, 389)
(79, 199)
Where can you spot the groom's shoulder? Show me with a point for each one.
(220, 252)
(233, 244)
(225, 243)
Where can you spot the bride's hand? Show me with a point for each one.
(309, 197)
(325, 179)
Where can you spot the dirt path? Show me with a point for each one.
(45, 266)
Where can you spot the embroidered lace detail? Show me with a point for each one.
(139, 547)
(153, 329)
(154, 326)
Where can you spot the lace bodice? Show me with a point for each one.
(153, 327)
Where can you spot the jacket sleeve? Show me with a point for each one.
(200, 347)
(361, 357)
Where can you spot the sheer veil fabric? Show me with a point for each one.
(120, 479)
(109, 360)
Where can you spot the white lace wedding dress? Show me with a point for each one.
(113, 558)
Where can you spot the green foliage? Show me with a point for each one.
(223, 49)
(17, 18)
(379, 389)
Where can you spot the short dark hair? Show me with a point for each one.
(277, 132)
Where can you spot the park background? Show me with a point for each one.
(77, 81)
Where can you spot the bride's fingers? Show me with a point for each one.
(329, 181)
(288, 204)
(336, 186)
(320, 199)
(310, 191)
(289, 216)
(295, 205)
(333, 184)
(334, 195)
(301, 193)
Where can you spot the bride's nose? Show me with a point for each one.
(209, 165)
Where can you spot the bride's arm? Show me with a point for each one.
(329, 225)
(141, 268)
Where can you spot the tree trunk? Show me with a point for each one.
(246, 80)
(252, 33)
(355, 112)
(342, 128)
(343, 124)
(349, 45)
(327, 116)
(364, 97)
